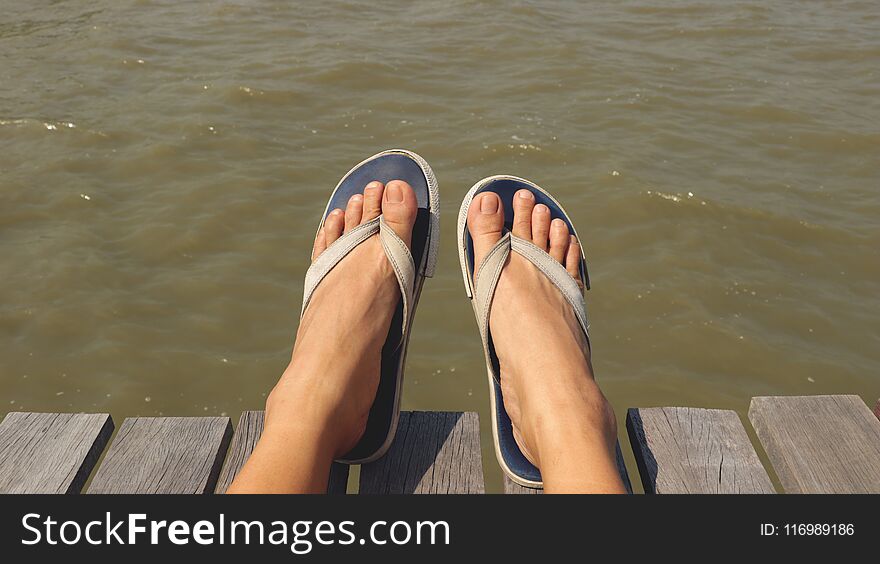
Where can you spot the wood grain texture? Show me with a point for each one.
(167, 455)
(50, 452)
(248, 432)
(820, 444)
(432, 453)
(688, 450)
(511, 487)
(877, 409)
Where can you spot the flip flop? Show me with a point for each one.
(410, 268)
(481, 290)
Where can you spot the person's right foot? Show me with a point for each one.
(334, 370)
(554, 404)
(319, 408)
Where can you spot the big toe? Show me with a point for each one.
(485, 222)
(399, 208)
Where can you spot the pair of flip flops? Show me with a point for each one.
(413, 265)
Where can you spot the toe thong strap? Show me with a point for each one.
(332, 256)
(557, 274)
(485, 284)
(404, 268)
(395, 249)
(490, 271)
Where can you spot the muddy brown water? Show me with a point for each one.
(163, 166)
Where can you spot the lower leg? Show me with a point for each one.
(286, 460)
(564, 424)
(299, 440)
(576, 450)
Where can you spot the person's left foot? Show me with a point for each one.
(543, 356)
(331, 381)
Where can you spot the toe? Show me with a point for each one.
(540, 226)
(523, 204)
(485, 223)
(372, 200)
(320, 244)
(558, 240)
(573, 259)
(353, 212)
(333, 226)
(399, 208)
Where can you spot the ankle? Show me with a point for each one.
(314, 426)
(324, 406)
(286, 408)
(310, 442)
(574, 425)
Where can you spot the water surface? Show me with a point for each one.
(163, 166)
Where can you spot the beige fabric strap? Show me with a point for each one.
(396, 251)
(404, 268)
(557, 274)
(490, 271)
(485, 284)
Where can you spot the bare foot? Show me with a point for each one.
(561, 421)
(331, 381)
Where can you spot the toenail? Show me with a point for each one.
(526, 195)
(489, 204)
(394, 193)
(558, 223)
(336, 212)
(374, 185)
(541, 208)
(357, 197)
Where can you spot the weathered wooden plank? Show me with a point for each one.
(248, 432)
(877, 409)
(433, 452)
(164, 455)
(50, 452)
(820, 444)
(511, 487)
(690, 450)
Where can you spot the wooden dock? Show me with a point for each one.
(815, 444)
